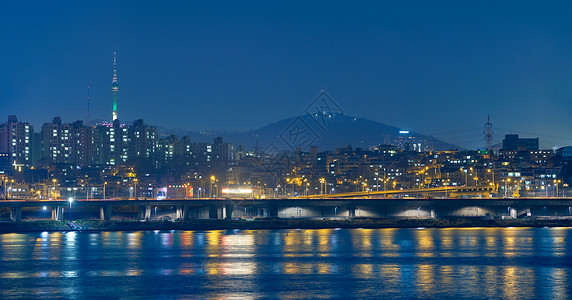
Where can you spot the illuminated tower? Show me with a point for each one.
(489, 134)
(114, 86)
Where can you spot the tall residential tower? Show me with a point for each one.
(114, 86)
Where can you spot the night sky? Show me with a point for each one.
(437, 68)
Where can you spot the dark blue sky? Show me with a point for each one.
(435, 67)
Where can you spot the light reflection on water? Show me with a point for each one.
(507, 263)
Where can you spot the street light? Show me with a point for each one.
(212, 181)
(104, 184)
(70, 199)
(476, 178)
(494, 185)
(5, 183)
(54, 192)
(135, 192)
(10, 189)
(556, 182)
(466, 179)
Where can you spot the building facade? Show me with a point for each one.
(15, 141)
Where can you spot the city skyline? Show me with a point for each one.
(426, 67)
(286, 149)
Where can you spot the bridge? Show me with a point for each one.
(447, 191)
(185, 209)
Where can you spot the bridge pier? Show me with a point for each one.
(16, 214)
(261, 212)
(228, 211)
(186, 211)
(182, 212)
(512, 213)
(57, 213)
(351, 212)
(105, 212)
(178, 212)
(222, 212)
(214, 212)
(141, 212)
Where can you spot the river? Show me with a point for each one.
(507, 263)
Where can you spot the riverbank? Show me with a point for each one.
(94, 225)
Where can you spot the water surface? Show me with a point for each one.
(508, 263)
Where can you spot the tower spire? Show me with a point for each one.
(489, 134)
(87, 118)
(114, 86)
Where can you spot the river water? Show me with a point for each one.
(507, 263)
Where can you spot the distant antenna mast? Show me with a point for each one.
(87, 119)
(489, 134)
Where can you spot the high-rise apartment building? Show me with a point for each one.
(15, 140)
(66, 142)
(142, 140)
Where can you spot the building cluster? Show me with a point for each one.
(116, 160)
(65, 151)
(523, 173)
(106, 144)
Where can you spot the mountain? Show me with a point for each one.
(325, 132)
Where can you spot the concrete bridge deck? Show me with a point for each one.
(287, 208)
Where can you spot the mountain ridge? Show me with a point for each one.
(325, 132)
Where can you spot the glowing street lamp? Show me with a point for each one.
(466, 179)
(556, 182)
(135, 191)
(494, 184)
(54, 192)
(212, 182)
(10, 189)
(5, 183)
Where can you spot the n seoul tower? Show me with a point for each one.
(114, 86)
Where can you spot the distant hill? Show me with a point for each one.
(327, 133)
